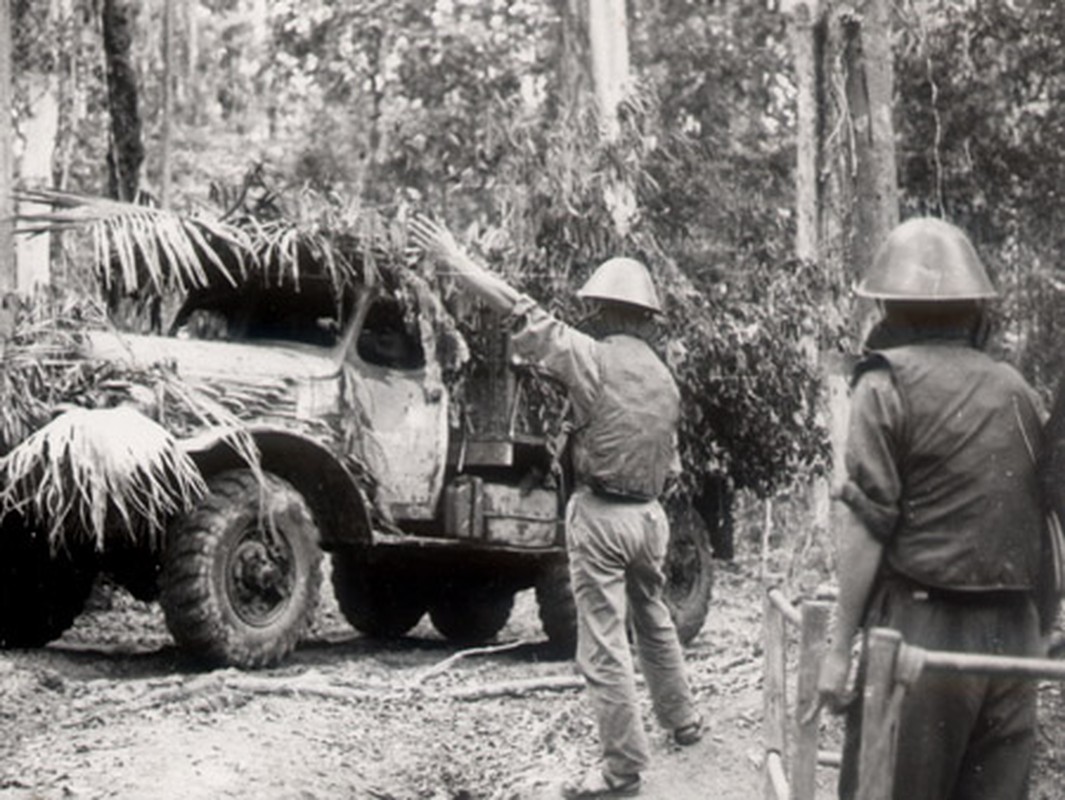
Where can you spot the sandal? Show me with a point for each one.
(599, 783)
(687, 735)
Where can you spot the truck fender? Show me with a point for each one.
(336, 499)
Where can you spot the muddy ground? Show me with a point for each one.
(113, 710)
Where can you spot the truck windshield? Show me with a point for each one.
(310, 316)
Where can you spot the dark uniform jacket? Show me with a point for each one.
(941, 466)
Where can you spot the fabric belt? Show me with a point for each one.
(617, 497)
(971, 597)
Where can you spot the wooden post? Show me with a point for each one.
(812, 651)
(774, 696)
(875, 768)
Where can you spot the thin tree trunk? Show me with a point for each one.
(572, 55)
(169, 71)
(803, 15)
(191, 94)
(608, 35)
(859, 196)
(870, 86)
(7, 161)
(255, 111)
(40, 129)
(126, 153)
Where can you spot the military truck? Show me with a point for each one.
(428, 498)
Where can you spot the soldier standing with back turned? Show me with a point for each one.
(942, 520)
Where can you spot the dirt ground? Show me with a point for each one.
(114, 710)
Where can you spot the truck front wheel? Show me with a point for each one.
(241, 573)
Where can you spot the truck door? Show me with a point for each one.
(401, 394)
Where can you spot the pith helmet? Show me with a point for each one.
(926, 259)
(622, 280)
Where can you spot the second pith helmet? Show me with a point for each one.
(926, 259)
(622, 280)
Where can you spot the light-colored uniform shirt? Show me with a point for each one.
(626, 404)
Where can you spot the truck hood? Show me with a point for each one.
(220, 361)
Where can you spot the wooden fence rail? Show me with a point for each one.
(891, 667)
(812, 622)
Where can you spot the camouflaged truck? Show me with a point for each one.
(425, 502)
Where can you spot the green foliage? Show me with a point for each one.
(740, 335)
(982, 130)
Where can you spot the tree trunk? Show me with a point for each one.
(608, 36)
(256, 113)
(40, 129)
(858, 195)
(126, 152)
(804, 48)
(169, 73)
(859, 202)
(7, 160)
(191, 88)
(572, 55)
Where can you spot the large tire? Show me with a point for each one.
(471, 613)
(689, 572)
(557, 609)
(240, 582)
(376, 599)
(40, 593)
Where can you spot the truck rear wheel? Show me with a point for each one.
(376, 599)
(689, 572)
(40, 593)
(557, 609)
(471, 613)
(241, 574)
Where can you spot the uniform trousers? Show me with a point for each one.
(617, 550)
(961, 736)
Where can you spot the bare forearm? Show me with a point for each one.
(495, 291)
(859, 561)
(438, 242)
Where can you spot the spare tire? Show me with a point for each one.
(241, 572)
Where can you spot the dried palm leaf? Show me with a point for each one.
(89, 471)
(140, 246)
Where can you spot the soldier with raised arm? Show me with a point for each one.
(626, 407)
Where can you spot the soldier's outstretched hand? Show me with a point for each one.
(435, 239)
